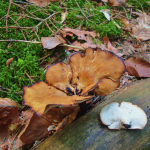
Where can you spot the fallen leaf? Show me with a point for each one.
(67, 120)
(82, 35)
(126, 24)
(116, 3)
(9, 121)
(142, 29)
(110, 47)
(42, 2)
(8, 62)
(138, 67)
(105, 12)
(35, 128)
(51, 42)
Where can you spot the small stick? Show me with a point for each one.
(43, 21)
(18, 26)
(82, 11)
(29, 77)
(10, 2)
(49, 27)
(37, 42)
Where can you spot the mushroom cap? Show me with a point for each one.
(91, 69)
(105, 87)
(123, 115)
(59, 76)
(39, 95)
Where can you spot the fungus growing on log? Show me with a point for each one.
(124, 115)
(96, 70)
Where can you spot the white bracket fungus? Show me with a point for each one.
(123, 115)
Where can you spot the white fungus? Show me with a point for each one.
(123, 115)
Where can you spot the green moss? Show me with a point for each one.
(139, 4)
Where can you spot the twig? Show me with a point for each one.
(49, 27)
(125, 12)
(29, 77)
(81, 48)
(82, 11)
(25, 10)
(140, 5)
(18, 26)
(43, 21)
(37, 42)
(7, 15)
(6, 91)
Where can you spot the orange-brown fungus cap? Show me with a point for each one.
(59, 76)
(105, 87)
(39, 95)
(89, 70)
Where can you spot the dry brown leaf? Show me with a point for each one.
(126, 24)
(67, 120)
(35, 128)
(88, 71)
(110, 47)
(9, 121)
(42, 2)
(39, 95)
(52, 42)
(8, 62)
(142, 29)
(138, 67)
(82, 35)
(116, 3)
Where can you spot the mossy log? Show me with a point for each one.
(88, 132)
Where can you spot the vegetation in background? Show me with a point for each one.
(26, 57)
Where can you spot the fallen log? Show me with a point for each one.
(88, 132)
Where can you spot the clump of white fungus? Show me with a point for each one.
(123, 115)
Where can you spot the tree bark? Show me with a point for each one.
(88, 132)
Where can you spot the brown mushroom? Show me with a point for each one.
(105, 87)
(59, 76)
(90, 70)
(39, 95)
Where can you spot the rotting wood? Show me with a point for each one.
(88, 133)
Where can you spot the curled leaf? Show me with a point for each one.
(138, 67)
(8, 62)
(51, 42)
